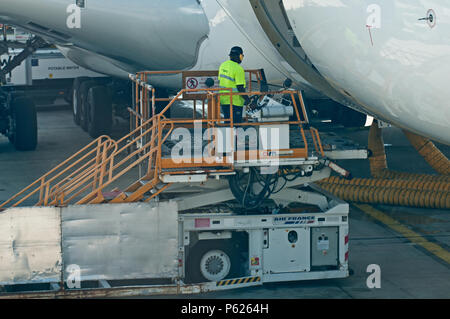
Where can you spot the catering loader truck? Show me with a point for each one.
(216, 216)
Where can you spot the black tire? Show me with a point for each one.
(75, 99)
(24, 136)
(83, 92)
(201, 249)
(99, 111)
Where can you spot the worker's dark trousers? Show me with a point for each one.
(237, 113)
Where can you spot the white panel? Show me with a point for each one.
(122, 241)
(284, 256)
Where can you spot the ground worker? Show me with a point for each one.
(232, 75)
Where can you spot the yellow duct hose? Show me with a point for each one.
(397, 188)
(390, 183)
(432, 155)
(378, 162)
(390, 196)
(388, 174)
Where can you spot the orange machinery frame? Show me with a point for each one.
(83, 177)
(145, 101)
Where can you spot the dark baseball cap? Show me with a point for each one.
(236, 51)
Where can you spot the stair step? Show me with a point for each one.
(156, 188)
(112, 194)
(189, 178)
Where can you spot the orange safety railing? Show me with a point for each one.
(145, 104)
(89, 161)
(145, 95)
(84, 177)
(126, 158)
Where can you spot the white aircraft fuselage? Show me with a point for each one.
(381, 55)
(375, 56)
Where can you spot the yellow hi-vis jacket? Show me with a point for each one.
(231, 74)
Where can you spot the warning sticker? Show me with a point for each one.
(191, 83)
(201, 82)
(323, 244)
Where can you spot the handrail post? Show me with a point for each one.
(305, 140)
(152, 146)
(233, 135)
(97, 162)
(61, 199)
(159, 166)
(302, 104)
(41, 192)
(153, 102)
(103, 166)
(294, 104)
(111, 167)
(47, 188)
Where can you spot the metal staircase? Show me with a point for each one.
(84, 177)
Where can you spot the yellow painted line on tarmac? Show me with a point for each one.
(412, 236)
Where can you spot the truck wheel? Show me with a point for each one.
(99, 111)
(83, 105)
(76, 99)
(211, 260)
(24, 132)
